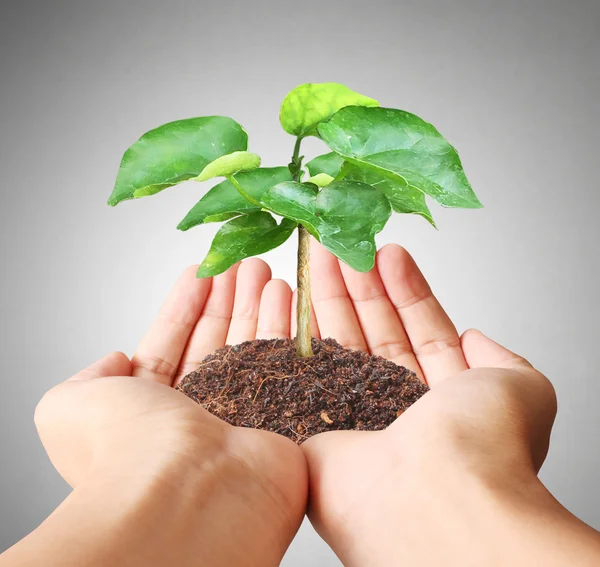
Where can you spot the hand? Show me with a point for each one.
(428, 490)
(159, 478)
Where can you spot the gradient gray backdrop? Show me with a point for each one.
(514, 84)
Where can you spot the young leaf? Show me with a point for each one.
(320, 180)
(242, 237)
(173, 153)
(307, 105)
(401, 146)
(225, 166)
(224, 201)
(345, 216)
(403, 198)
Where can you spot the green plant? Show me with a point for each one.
(381, 160)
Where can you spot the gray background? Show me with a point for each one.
(514, 84)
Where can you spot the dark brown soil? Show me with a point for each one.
(262, 384)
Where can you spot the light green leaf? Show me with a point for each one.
(403, 198)
(307, 105)
(402, 147)
(173, 153)
(320, 180)
(225, 166)
(242, 237)
(223, 201)
(345, 216)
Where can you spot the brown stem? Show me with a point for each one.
(303, 336)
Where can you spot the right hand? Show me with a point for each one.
(404, 495)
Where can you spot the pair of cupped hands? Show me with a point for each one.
(177, 486)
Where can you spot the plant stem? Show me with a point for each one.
(242, 192)
(303, 335)
(296, 155)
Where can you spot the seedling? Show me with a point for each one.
(382, 160)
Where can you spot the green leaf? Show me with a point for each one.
(242, 237)
(320, 180)
(330, 163)
(402, 147)
(173, 153)
(403, 198)
(352, 214)
(307, 105)
(345, 216)
(296, 201)
(225, 166)
(223, 201)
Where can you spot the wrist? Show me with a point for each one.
(161, 507)
(444, 515)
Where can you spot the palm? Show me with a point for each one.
(357, 477)
(390, 312)
(122, 419)
(200, 316)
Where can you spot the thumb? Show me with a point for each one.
(535, 393)
(113, 364)
(482, 352)
(67, 416)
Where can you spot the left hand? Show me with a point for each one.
(173, 484)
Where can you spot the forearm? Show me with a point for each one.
(508, 521)
(173, 514)
(462, 521)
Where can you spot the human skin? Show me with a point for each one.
(454, 480)
(158, 480)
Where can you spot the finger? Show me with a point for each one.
(314, 326)
(210, 331)
(159, 354)
(432, 334)
(113, 364)
(251, 279)
(482, 352)
(378, 319)
(334, 310)
(536, 395)
(274, 313)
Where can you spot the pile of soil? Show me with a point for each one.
(264, 385)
